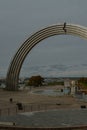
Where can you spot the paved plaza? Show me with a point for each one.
(51, 118)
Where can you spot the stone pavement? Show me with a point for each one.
(51, 118)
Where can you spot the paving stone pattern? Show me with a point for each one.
(51, 118)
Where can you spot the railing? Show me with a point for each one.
(28, 108)
(26, 128)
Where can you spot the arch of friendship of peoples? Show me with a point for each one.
(58, 29)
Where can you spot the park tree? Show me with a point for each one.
(36, 81)
(82, 82)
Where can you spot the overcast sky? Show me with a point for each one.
(19, 19)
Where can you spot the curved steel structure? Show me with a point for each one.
(58, 29)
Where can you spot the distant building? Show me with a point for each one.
(2, 85)
(71, 84)
(67, 83)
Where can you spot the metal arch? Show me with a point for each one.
(16, 63)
